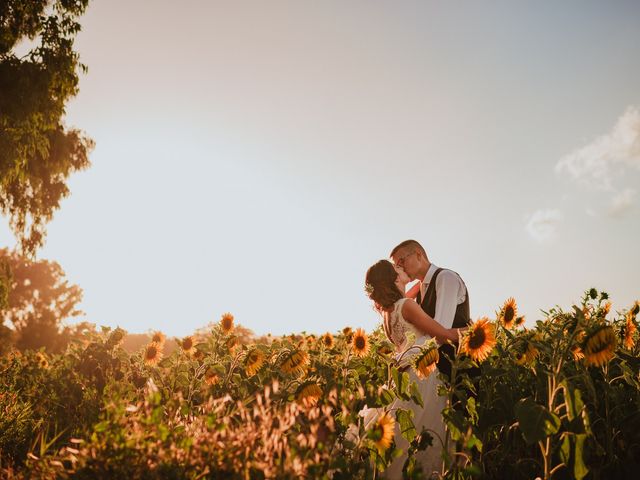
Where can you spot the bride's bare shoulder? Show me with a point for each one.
(409, 307)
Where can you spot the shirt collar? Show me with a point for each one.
(429, 275)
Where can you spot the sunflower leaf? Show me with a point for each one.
(571, 454)
(455, 422)
(407, 429)
(576, 412)
(536, 422)
(165, 362)
(387, 396)
(401, 381)
(415, 394)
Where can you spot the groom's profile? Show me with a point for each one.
(443, 294)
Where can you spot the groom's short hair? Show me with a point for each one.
(408, 243)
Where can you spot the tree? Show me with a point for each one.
(6, 279)
(37, 152)
(40, 298)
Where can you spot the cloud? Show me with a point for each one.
(542, 225)
(622, 202)
(595, 164)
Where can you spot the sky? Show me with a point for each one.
(257, 157)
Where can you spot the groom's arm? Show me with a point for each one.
(450, 292)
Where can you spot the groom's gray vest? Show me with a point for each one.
(460, 319)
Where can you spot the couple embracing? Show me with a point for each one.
(440, 310)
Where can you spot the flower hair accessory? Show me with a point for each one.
(369, 289)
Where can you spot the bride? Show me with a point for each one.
(403, 320)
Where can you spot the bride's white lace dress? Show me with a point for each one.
(407, 339)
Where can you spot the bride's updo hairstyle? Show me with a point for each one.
(380, 285)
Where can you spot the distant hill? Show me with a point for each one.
(134, 342)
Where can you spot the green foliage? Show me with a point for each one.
(565, 410)
(211, 410)
(37, 152)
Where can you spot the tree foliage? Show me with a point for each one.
(39, 299)
(37, 152)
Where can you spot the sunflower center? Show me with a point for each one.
(477, 338)
(598, 346)
(359, 343)
(509, 313)
(600, 342)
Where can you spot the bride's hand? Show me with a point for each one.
(461, 332)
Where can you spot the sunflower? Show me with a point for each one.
(188, 344)
(525, 352)
(226, 322)
(212, 375)
(606, 308)
(116, 337)
(519, 321)
(577, 353)
(527, 356)
(231, 343)
(382, 431)
(295, 362)
(360, 343)
(629, 332)
(385, 349)
(348, 333)
(327, 340)
(158, 338)
(253, 361)
(152, 354)
(508, 313)
(636, 308)
(576, 350)
(41, 358)
(15, 354)
(599, 346)
(479, 339)
(308, 393)
(425, 362)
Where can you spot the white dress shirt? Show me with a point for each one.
(450, 292)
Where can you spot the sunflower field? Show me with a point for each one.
(558, 399)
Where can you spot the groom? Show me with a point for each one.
(443, 295)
